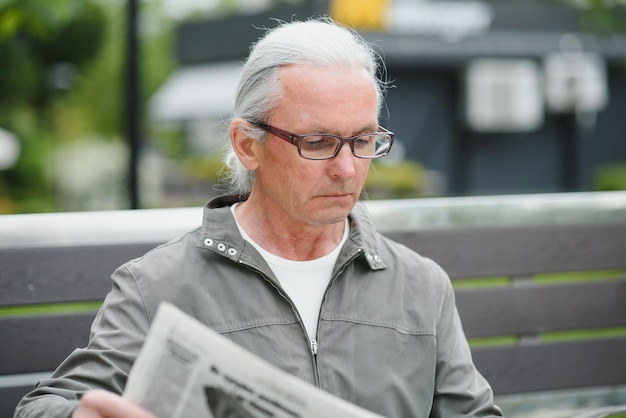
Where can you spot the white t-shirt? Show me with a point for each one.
(304, 281)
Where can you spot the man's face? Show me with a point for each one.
(316, 100)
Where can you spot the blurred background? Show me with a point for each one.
(117, 104)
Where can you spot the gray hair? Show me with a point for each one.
(315, 41)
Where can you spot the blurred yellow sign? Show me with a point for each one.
(361, 14)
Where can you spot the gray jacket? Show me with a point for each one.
(389, 336)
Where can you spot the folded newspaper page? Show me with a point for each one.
(187, 370)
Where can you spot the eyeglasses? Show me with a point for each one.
(327, 146)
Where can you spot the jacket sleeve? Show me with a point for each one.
(117, 335)
(460, 390)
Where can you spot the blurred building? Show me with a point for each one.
(492, 96)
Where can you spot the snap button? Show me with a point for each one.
(221, 246)
(208, 242)
(232, 251)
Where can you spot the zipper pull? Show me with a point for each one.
(314, 347)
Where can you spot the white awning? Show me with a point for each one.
(196, 92)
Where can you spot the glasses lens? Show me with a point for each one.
(318, 146)
(372, 146)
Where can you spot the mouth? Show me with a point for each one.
(336, 195)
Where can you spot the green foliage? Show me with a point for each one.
(610, 177)
(36, 36)
(170, 142)
(386, 180)
(44, 45)
(79, 39)
(94, 105)
(208, 168)
(604, 16)
(26, 186)
(37, 19)
(65, 83)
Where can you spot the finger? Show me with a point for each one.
(100, 403)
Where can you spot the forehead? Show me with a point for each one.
(314, 94)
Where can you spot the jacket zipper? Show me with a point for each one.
(311, 343)
(334, 277)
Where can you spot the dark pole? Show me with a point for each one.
(132, 110)
(461, 147)
(569, 145)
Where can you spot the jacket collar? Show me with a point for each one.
(219, 232)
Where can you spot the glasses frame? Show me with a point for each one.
(295, 139)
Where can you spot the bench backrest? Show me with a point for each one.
(521, 327)
(70, 280)
(534, 333)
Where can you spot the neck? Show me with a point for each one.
(294, 240)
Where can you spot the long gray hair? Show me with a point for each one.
(315, 41)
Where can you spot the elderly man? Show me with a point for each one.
(289, 265)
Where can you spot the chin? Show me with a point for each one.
(334, 215)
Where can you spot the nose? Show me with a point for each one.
(343, 165)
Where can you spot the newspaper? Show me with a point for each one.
(187, 370)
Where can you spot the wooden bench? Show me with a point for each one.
(529, 333)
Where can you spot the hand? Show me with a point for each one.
(103, 404)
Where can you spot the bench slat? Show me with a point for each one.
(519, 310)
(9, 398)
(509, 369)
(37, 343)
(548, 366)
(510, 251)
(61, 274)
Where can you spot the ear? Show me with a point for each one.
(244, 146)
